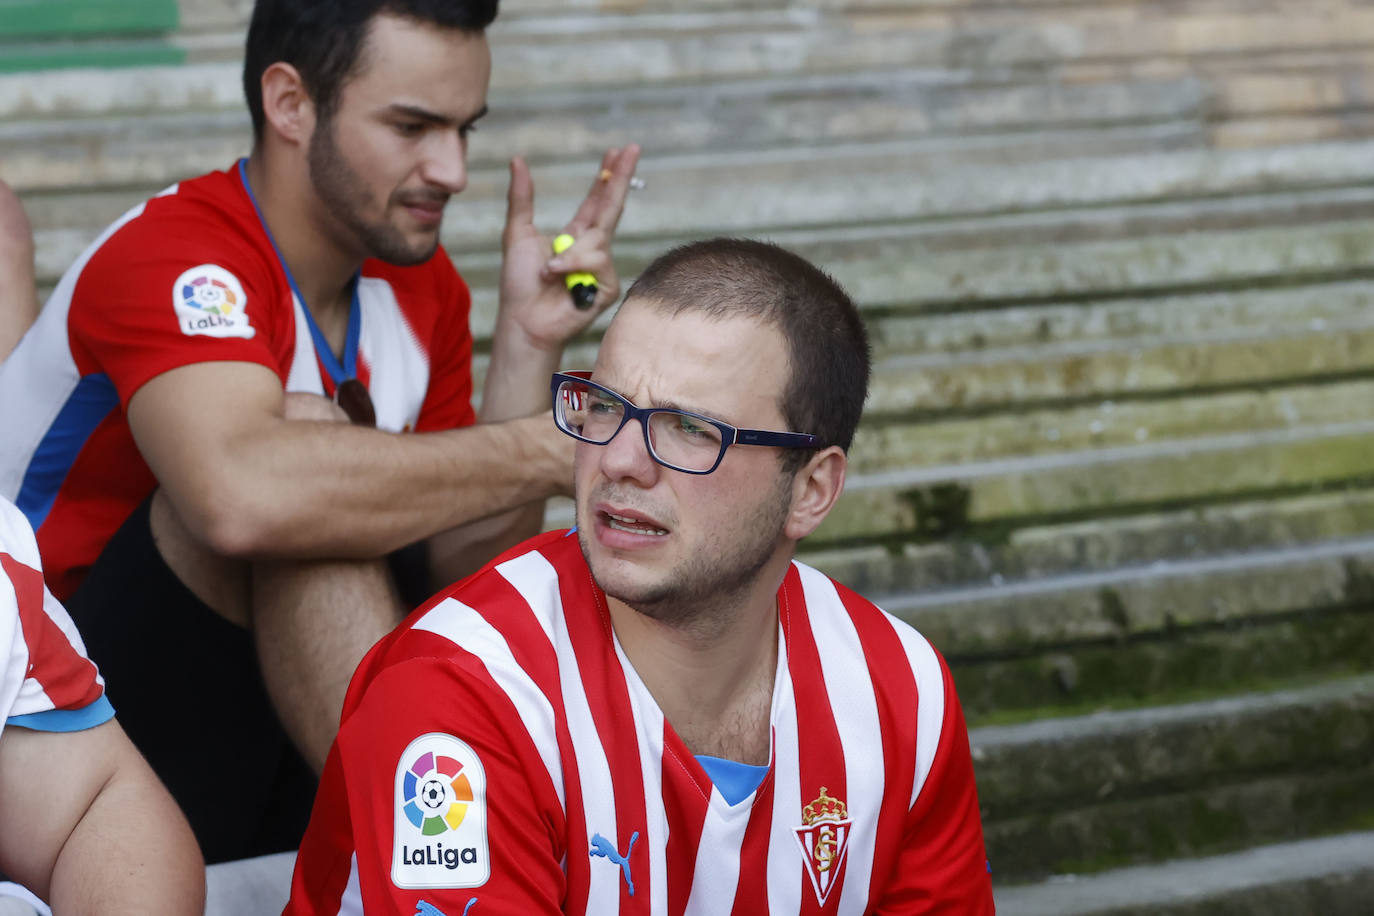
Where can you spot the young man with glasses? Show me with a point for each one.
(662, 712)
(222, 551)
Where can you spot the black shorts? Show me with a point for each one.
(186, 687)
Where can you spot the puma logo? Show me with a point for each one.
(603, 847)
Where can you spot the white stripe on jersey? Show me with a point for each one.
(43, 365)
(649, 728)
(14, 652)
(304, 377)
(20, 694)
(537, 581)
(715, 876)
(784, 866)
(855, 711)
(930, 700)
(399, 366)
(351, 903)
(463, 626)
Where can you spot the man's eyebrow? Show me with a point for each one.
(431, 117)
(671, 404)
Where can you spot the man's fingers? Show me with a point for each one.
(519, 197)
(591, 205)
(616, 187)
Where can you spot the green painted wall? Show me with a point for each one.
(44, 34)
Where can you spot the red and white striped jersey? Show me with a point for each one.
(46, 681)
(498, 753)
(191, 276)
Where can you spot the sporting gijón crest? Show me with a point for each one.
(824, 836)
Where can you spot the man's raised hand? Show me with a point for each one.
(535, 301)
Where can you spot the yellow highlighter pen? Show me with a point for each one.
(582, 286)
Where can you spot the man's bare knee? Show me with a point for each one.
(221, 584)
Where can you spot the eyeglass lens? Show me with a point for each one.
(676, 438)
(353, 398)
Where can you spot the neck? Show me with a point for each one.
(712, 675)
(321, 265)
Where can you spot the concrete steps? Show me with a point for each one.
(1116, 462)
(1331, 875)
(1172, 781)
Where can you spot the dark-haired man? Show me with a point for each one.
(666, 714)
(171, 421)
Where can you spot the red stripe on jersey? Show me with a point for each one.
(492, 596)
(608, 697)
(322, 878)
(686, 798)
(894, 686)
(751, 890)
(821, 763)
(66, 676)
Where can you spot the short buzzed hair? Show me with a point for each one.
(825, 336)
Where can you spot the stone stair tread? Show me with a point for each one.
(1141, 598)
(960, 569)
(125, 148)
(909, 264)
(1275, 880)
(930, 501)
(1141, 722)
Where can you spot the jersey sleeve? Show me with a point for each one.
(166, 292)
(48, 683)
(430, 784)
(942, 869)
(448, 400)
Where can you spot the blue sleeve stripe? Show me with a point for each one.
(87, 407)
(67, 720)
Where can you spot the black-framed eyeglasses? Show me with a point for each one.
(677, 439)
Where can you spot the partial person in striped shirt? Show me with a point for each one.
(86, 824)
(663, 712)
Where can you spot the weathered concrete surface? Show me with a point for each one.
(1189, 661)
(1332, 876)
(1154, 599)
(1038, 551)
(1045, 765)
(940, 500)
(122, 148)
(1069, 794)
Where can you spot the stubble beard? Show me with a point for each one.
(344, 195)
(702, 593)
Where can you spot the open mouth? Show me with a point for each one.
(631, 525)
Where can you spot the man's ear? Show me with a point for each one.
(286, 105)
(814, 491)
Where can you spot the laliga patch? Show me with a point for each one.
(210, 300)
(440, 836)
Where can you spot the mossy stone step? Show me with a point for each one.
(1148, 601)
(934, 501)
(1061, 794)
(901, 573)
(1332, 875)
(1132, 672)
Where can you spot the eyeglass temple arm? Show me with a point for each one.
(777, 440)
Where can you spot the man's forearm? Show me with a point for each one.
(517, 381)
(316, 490)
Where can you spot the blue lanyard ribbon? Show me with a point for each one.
(337, 373)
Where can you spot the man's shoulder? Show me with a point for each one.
(523, 584)
(207, 219)
(869, 629)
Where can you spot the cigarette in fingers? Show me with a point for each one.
(636, 183)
